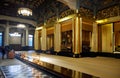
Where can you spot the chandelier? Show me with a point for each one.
(25, 11)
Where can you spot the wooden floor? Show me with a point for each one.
(102, 67)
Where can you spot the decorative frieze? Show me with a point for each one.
(108, 12)
(62, 15)
(86, 13)
(66, 13)
(52, 19)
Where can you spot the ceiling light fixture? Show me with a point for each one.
(21, 26)
(15, 34)
(25, 11)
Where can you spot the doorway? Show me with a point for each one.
(106, 38)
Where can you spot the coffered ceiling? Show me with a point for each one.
(43, 9)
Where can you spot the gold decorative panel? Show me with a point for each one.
(66, 13)
(106, 2)
(108, 12)
(86, 13)
(52, 19)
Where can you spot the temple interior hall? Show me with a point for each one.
(59, 38)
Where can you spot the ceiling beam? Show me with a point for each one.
(16, 19)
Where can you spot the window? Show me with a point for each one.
(1, 38)
(30, 43)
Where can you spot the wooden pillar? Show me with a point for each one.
(57, 37)
(94, 45)
(77, 36)
(36, 40)
(48, 43)
(44, 39)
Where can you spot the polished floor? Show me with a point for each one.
(102, 67)
(23, 71)
(13, 68)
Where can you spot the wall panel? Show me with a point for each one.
(66, 25)
(117, 26)
(50, 30)
(87, 25)
(107, 38)
(117, 33)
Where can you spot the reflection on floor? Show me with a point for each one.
(23, 71)
(13, 68)
(102, 67)
(9, 62)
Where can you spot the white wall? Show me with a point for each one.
(15, 40)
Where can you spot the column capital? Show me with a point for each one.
(77, 13)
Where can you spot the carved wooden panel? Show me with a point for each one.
(66, 13)
(108, 12)
(52, 19)
(86, 13)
